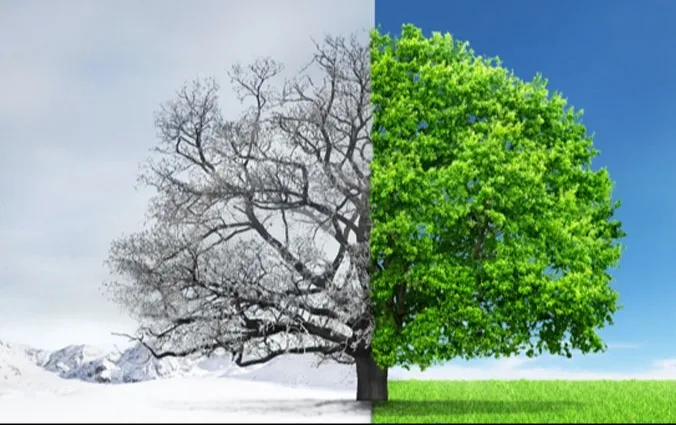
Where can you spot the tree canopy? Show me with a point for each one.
(258, 235)
(492, 233)
(421, 206)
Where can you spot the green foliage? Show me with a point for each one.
(492, 234)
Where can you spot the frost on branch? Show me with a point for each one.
(257, 240)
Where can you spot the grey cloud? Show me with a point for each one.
(80, 81)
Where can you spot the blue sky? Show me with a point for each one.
(614, 59)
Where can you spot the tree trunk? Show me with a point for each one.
(371, 379)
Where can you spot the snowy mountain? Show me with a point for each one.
(136, 364)
(214, 390)
(20, 369)
(68, 359)
(36, 355)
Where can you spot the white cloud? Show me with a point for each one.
(515, 368)
(666, 365)
(80, 82)
(622, 346)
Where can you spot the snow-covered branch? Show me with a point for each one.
(257, 240)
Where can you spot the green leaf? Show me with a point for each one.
(494, 227)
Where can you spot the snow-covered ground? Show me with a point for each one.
(194, 399)
(34, 388)
(80, 383)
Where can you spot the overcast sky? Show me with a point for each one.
(80, 82)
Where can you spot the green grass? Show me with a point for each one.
(528, 401)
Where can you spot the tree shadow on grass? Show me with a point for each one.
(422, 408)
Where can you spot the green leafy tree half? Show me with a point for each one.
(492, 234)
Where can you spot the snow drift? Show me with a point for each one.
(136, 364)
(219, 392)
(19, 370)
(301, 370)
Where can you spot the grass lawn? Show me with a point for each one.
(528, 401)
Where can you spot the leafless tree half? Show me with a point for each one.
(258, 238)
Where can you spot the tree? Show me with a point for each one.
(258, 235)
(492, 233)
(476, 227)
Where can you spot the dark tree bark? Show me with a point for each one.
(371, 378)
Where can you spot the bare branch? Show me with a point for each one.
(257, 240)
